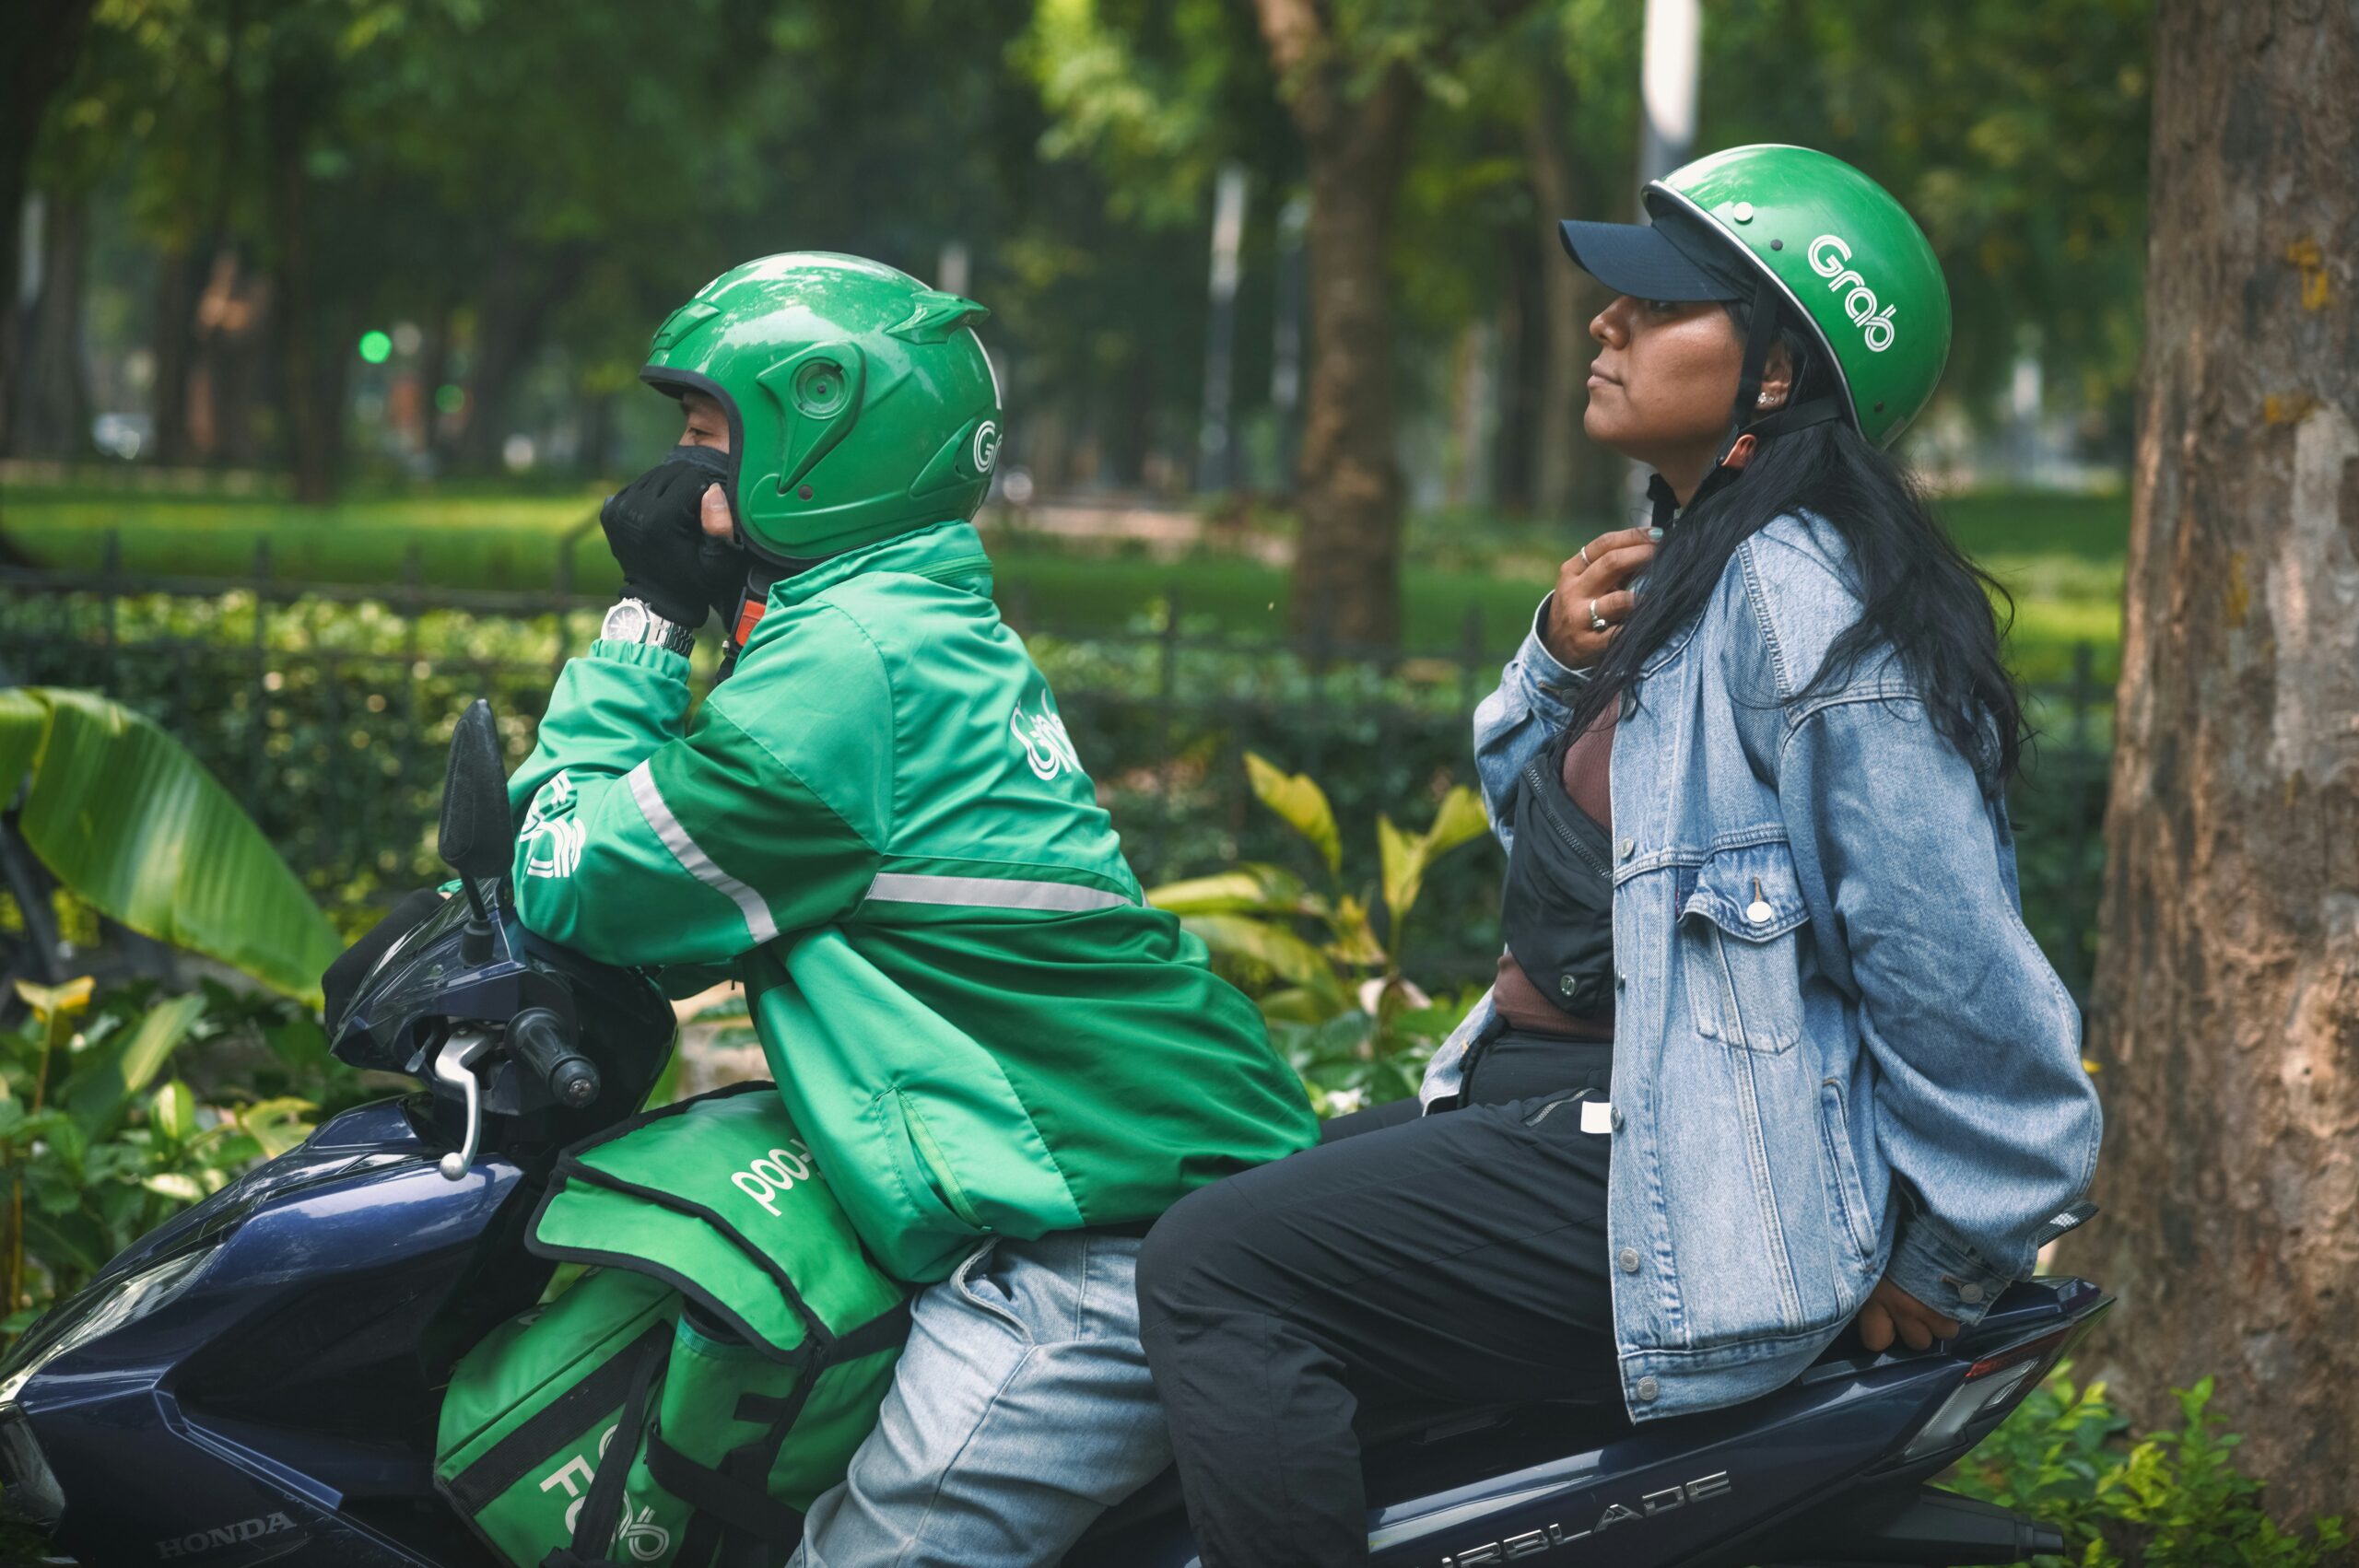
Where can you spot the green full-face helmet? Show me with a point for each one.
(860, 403)
(1780, 226)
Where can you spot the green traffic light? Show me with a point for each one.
(376, 347)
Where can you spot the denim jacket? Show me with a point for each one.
(1837, 1050)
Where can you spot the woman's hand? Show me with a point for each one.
(1593, 584)
(1891, 1309)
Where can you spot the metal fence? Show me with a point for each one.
(326, 708)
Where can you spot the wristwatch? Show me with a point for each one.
(631, 620)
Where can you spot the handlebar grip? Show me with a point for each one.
(537, 1039)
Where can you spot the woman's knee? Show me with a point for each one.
(1179, 1262)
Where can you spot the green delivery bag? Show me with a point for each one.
(708, 1377)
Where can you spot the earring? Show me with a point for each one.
(1763, 399)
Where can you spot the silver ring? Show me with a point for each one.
(1584, 560)
(1596, 623)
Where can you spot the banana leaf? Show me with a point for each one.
(1299, 800)
(110, 1072)
(1284, 953)
(1250, 889)
(131, 824)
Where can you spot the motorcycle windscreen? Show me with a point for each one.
(406, 983)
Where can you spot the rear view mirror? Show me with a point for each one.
(476, 837)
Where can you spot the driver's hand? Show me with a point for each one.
(1891, 1310)
(1601, 574)
(660, 527)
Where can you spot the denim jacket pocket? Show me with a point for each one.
(1847, 1197)
(1739, 947)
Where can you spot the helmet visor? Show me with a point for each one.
(1672, 258)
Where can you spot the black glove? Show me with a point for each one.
(654, 525)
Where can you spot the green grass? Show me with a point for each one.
(2061, 558)
(2060, 555)
(480, 539)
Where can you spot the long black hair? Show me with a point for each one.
(1923, 603)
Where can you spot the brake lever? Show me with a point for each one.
(456, 1064)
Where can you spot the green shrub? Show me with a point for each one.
(1325, 959)
(2171, 1499)
(119, 1109)
(330, 722)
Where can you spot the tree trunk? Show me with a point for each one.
(174, 346)
(434, 374)
(1521, 322)
(39, 44)
(1355, 145)
(597, 433)
(2226, 1015)
(311, 351)
(1573, 479)
(515, 305)
(54, 411)
(1347, 575)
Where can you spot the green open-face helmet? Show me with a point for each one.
(1797, 233)
(860, 403)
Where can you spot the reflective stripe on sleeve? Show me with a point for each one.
(990, 892)
(694, 861)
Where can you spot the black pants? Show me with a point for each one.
(1456, 1257)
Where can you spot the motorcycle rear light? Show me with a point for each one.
(2046, 1348)
(1991, 1388)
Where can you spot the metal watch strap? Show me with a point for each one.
(632, 620)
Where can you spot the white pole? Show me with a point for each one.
(1213, 467)
(1667, 83)
(1286, 337)
(950, 273)
(1667, 126)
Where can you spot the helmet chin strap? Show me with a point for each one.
(1746, 434)
(762, 574)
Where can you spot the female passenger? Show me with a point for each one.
(1770, 1050)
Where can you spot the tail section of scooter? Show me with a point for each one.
(1830, 1471)
(1826, 1472)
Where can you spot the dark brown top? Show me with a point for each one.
(1588, 784)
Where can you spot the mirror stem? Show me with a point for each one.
(474, 941)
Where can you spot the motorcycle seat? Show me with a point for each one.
(1395, 1435)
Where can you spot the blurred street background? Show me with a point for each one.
(326, 300)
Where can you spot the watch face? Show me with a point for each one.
(627, 622)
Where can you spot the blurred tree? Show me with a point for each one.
(1540, 129)
(2226, 1006)
(1142, 102)
(1352, 74)
(52, 402)
(40, 42)
(234, 115)
(532, 185)
(2014, 130)
(1578, 125)
(537, 155)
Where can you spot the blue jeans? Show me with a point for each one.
(1021, 1409)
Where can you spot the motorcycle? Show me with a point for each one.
(257, 1380)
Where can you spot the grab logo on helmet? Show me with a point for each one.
(1827, 255)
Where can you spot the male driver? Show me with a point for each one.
(1006, 1062)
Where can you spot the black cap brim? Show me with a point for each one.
(1639, 259)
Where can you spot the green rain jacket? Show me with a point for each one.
(879, 826)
